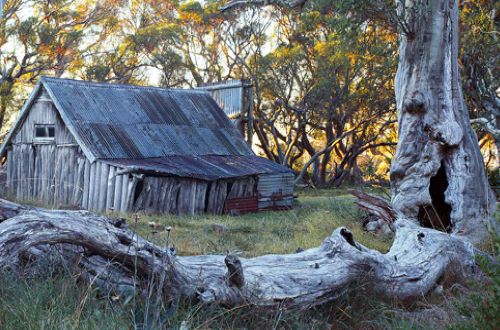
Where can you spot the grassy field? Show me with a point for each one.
(50, 297)
(314, 217)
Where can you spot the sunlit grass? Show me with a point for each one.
(316, 215)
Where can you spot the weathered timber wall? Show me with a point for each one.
(43, 112)
(46, 173)
(50, 171)
(188, 196)
(104, 188)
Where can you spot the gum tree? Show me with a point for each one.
(438, 178)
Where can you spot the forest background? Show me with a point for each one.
(322, 76)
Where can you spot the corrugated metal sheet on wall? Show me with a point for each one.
(228, 95)
(241, 205)
(275, 191)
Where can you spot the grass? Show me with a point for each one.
(314, 217)
(51, 297)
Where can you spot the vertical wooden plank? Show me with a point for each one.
(9, 172)
(36, 173)
(31, 171)
(12, 171)
(201, 192)
(20, 169)
(111, 188)
(124, 196)
(43, 173)
(93, 168)
(103, 187)
(155, 192)
(175, 196)
(192, 197)
(73, 177)
(79, 182)
(50, 164)
(181, 200)
(162, 190)
(118, 193)
(167, 194)
(57, 177)
(97, 180)
(86, 180)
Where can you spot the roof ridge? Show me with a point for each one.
(118, 85)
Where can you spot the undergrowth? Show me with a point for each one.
(50, 296)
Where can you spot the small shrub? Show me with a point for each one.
(481, 307)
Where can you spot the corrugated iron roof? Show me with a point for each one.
(201, 167)
(126, 121)
(148, 129)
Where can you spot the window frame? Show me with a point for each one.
(47, 138)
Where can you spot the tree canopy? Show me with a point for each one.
(322, 75)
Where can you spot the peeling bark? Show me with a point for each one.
(109, 255)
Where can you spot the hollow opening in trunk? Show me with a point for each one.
(437, 215)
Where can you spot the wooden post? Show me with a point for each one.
(124, 195)
(118, 193)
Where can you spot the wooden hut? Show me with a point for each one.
(128, 148)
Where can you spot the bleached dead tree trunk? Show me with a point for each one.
(438, 176)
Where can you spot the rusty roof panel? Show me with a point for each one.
(201, 167)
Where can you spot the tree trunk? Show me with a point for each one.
(107, 254)
(437, 175)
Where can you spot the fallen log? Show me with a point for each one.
(117, 259)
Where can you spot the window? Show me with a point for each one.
(45, 132)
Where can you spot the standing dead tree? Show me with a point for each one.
(438, 177)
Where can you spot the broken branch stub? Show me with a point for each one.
(374, 205)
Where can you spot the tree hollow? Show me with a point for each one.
(438, 214)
